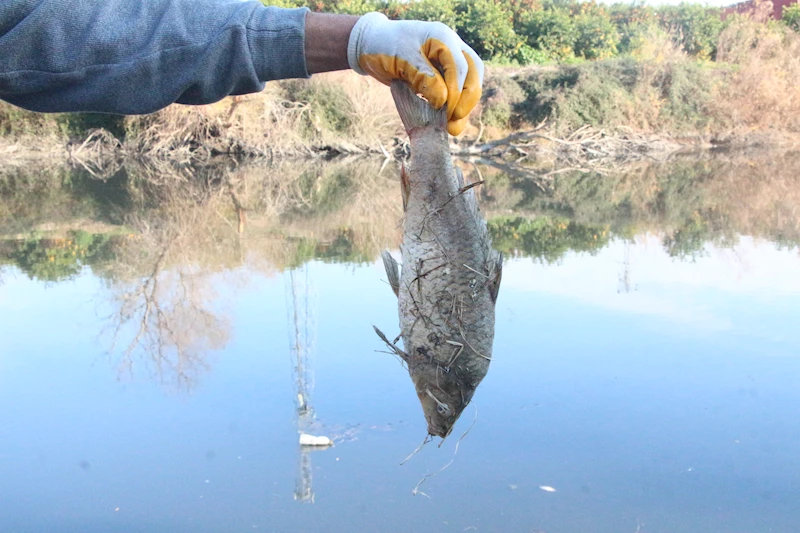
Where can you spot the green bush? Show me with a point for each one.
(501, 97)
(633, 24)
(791, 16)
(596, 35)
(79, 124)
(695, 27)
(488, 27)
(550, 31)
(330, 108)
(434, 10)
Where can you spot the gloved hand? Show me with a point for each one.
(416, 52)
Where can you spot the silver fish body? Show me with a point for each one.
(450, 274)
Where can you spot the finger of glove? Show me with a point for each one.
(453, 65)
(386, 68)
(455, 127)
(473, 86)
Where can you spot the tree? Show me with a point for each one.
(488, 27)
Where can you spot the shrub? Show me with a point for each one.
(501, 97)
(694, 26)
(435, 10)
(791, 16)
(551, 31)
(330, 108)
(633, 24)
(488, 27)
(79, 124)
(596, 35)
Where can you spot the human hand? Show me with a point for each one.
(431, 57)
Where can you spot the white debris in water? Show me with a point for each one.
(547, 488)
(311, 440)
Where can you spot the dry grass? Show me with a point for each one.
(764, 88)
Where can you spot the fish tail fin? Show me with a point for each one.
(414, 111)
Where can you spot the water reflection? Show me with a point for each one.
(161, 237)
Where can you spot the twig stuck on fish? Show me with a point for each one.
(425, 441)
(455, 452)
(391, 346)
(465, 188)
(459, 349)
(461, 331)
(473, 270)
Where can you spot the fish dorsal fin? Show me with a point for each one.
(414, 111)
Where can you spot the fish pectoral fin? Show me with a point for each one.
(405, 186)
(392, 271)
(496, 274)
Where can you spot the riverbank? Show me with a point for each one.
(652, 104)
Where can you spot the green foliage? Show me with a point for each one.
(686, 93)
(689, 241)
(341, 249)
(596, 35)
(488, 27)
(79, 124)
(350, 7)
(49, 259)
(285, 3)
(791, 16)
(550, 31)
(330, 108)
(634, 24)
(695, 27)
(623, 91)
(17, 121)
(432, 10)
(501, 97)
(546, 239)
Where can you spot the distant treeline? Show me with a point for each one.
(543, 31)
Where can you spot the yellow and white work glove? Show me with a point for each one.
(431, 57)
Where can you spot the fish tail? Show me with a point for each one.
(414, 111)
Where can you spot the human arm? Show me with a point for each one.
(124, 57)
(118, 56)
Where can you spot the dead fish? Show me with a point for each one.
(450, 274)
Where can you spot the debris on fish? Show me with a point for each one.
(547, 488)
(311, 440)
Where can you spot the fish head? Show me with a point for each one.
(443, 395)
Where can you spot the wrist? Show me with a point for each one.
(326, 41)
(361, 27)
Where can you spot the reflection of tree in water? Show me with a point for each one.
(164, 294)
(691, 202)
(161, 234)
(545, 238)
(192, 231)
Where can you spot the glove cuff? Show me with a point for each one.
(355, 44)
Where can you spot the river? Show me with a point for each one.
(164, 342)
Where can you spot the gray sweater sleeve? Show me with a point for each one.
(137, 56)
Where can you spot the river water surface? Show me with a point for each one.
(161, 352)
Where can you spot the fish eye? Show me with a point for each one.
(443, 409)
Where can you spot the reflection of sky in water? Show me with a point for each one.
(673, 406)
